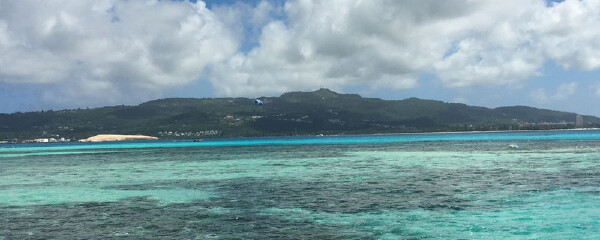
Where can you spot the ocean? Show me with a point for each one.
(491, 185)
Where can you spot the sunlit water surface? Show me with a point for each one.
(405, 186)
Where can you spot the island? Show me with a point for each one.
(292, 114)
(116, 137)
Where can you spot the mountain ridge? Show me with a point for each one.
(292, 113)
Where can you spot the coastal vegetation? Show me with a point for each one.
(295, 113)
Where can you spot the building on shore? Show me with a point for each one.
(578, 121)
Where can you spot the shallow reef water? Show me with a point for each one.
(501, 185)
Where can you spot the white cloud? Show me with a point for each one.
(387, 44)
(109, 50)
(246, 20)
(563, 91)
(116, 50)
(570, 33)
(326, 43)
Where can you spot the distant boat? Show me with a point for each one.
(197, 140)
(513, 146)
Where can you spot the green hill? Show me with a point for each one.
(294, 113)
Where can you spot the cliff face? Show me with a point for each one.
(302, 113)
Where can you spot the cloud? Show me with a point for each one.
(115, 51)
(246, 20)
(387, 44)
(563, 91)
(108, 51)
(570, 33)
(327, 43)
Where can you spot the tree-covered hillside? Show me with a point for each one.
(295, 113)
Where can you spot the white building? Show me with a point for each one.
(578, 121)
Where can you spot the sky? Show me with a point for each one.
(64, 54)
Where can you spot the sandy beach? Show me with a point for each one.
(116, 137)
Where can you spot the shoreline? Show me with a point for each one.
(491, 131)
(124, 137)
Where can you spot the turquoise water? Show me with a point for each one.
(403, 186)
